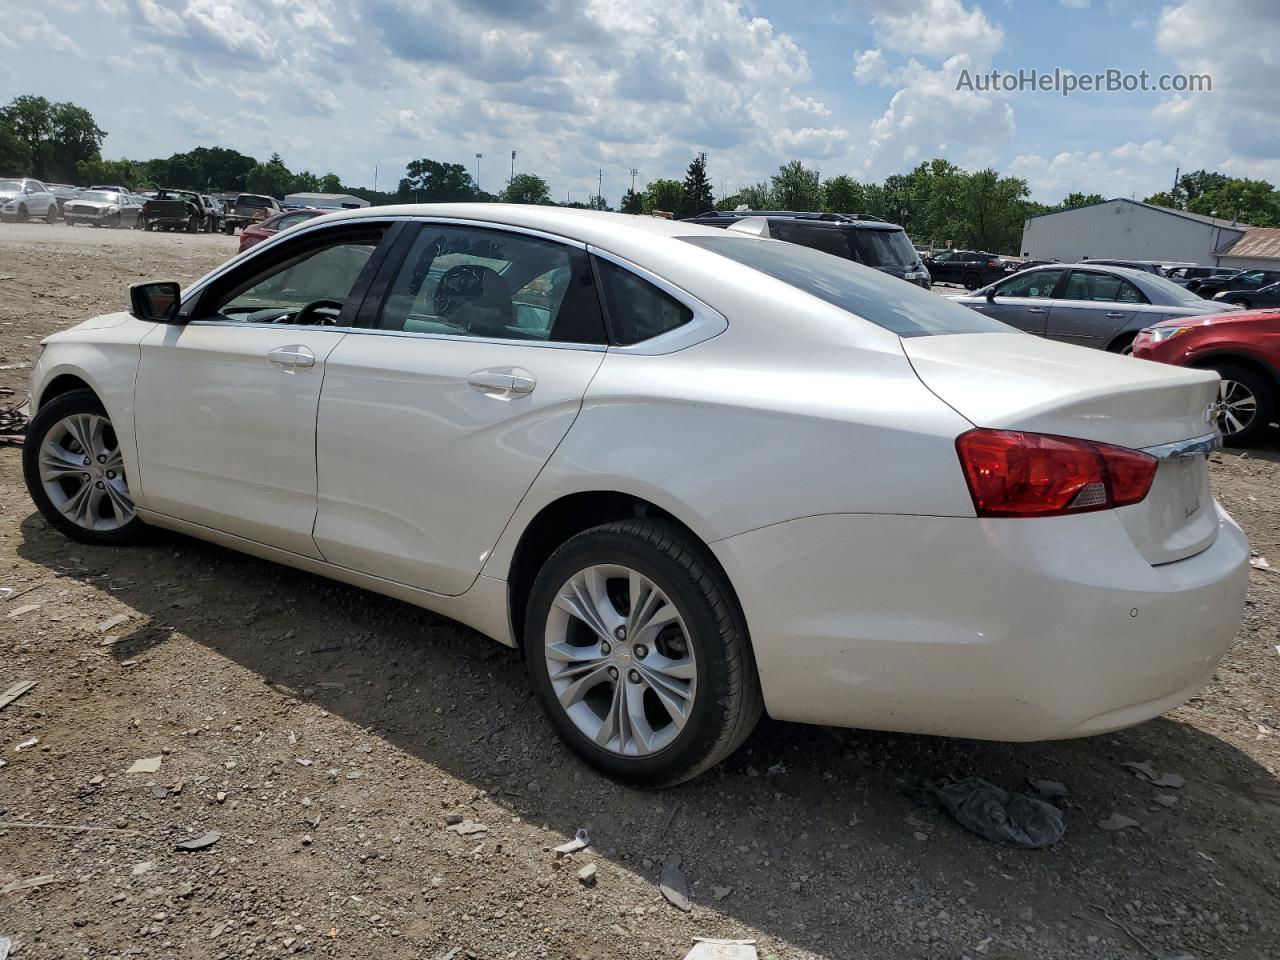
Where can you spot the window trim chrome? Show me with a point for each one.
(705, 324)
(1200, 446)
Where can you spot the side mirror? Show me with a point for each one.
(991, 294)
(157, 301)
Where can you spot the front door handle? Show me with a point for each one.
(292, 357)
(1114, 315)
(502, 381)
(1035, 309)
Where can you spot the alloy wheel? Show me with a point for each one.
(82, 472)
(620, 660)
(1237, 407)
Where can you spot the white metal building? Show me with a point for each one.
(1131, 230)
(325, 201)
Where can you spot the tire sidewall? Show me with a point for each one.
(77, 401)
(703, 729)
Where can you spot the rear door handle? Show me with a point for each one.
(1114, 315)
(1035, 309)
(292, 357)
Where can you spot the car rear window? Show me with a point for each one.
(884, 300)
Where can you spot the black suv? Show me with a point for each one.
(861, 238)
(973, 268)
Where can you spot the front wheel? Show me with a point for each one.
(972, 281)
(51, 213)
(1243, 303)
(1246, 404)
(74, 470)
(639, 655)
(193, 224)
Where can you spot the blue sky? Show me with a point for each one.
(577, 86)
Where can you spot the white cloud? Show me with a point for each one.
(1077, 4)
(927, 112)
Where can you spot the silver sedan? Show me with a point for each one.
(1087, 304)
(103, 208)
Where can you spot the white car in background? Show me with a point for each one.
(24, 198)
(693, 473)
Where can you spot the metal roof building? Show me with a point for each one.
(325, 201)
(1130, 230)
(1259, 248)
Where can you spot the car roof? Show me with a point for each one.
(860, 221)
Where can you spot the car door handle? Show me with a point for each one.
(502, 381)
(292, 357)
(1116, 315)
(1035, 309)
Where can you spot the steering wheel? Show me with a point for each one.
(458, 285)
(322, 313)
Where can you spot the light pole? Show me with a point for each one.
(634, 171)
(479, 157)
(513, 164)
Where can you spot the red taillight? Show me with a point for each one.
(1016, 474)
(993, 263)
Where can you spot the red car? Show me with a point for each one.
(1244, 348)
(273, 225)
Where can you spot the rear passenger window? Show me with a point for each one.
(638, 310)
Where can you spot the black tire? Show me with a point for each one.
(23, 214)
(727, 702)
(51, 213)
(1243, 303)
(1264, 393)
(1123, 343)
(114, 222)
(971, 281)
(52, 413)
(193, 224)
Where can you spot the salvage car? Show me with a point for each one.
(693, 474)
(173, 209)
(1243, 348)
(22, 199)
(1240, 281)
(101, 208)
(250, 208)
(1268, 296)
(1086, 304)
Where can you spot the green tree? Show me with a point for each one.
(30, 120)
(632, 202)
(128, 173)
(757, 196)
(1073, 200)
(271, 178)
(526, 188)
(430, 181)
(331, 183)
(796, 188)
(75, 138)
(664, 195)
(304, 182)
(697, 196)
(843, 194)
(15, 155)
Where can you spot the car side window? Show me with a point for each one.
(1033, 283)
(477, 282)
(1106, 287)
(319, 276)
(825, 239)
(637, 309)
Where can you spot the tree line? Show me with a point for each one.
(937, 202)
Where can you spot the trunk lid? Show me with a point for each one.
(1014, 381)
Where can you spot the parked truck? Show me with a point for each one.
(179, 210)
(250, 208)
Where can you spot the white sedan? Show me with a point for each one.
(693, 473)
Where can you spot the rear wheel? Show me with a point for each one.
(1246, 404)
(193, 224)
(1244, 303)
(74, 471)
(972, 281)
(639, 655)
(1123, 343)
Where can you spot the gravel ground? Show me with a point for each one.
(330, 736)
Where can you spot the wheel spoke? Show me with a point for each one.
(120, 499)
(675, 703)
(57, 463)
(573, 691)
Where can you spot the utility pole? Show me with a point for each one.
(634, 172)
(479, 157)
(513, 164)
(375, 178)
(600, 188)
(1174, 193)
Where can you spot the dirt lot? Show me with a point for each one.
(329, 734)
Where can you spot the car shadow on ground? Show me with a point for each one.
(824, 835)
